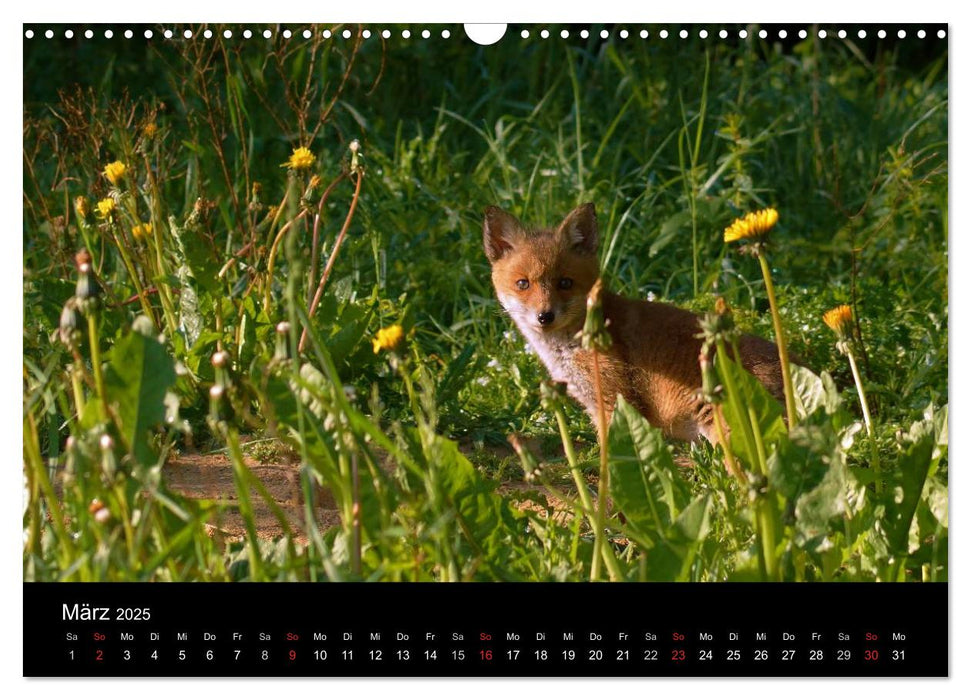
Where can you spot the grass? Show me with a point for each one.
(672, 141)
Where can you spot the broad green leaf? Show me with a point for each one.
(673, 557)
(644, 483)
(908, 484)
(813, 391)
(138, 376)
(351, 327)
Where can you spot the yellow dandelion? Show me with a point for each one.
(752, 225)
(82, 207)
(388, 338)
(140, 231)
(301, 159)
(839, 319)
(106, 208)
(115, 172)
(314, 182)
(149, 130)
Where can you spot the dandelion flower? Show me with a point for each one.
(106, 208)
(839, 319)
(150, 129)
(115, 172)
(753, 225)
(300, 159)
(141, 231)
(388, 338)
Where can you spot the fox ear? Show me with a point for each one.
(579, 228)
(501, 231)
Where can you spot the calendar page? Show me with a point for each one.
(635, 333)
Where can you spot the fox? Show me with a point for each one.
(542, 277)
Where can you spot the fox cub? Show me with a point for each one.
(542, 277)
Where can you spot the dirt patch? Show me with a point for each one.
(210, 477)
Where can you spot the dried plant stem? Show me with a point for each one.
(315, 246)
(331, 259)
(272, 259)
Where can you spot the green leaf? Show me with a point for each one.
(351, 327)
(913, 466)
(813, 391)
(137, 378)
(753, 397)
(456, 376)
(669, 229)
(644, 483)
(674, 556)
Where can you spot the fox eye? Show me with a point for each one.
(565, 283)
(523, 284)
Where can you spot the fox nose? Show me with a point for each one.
(545, 318)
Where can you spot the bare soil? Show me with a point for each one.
(210, 477)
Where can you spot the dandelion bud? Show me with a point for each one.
(69, 328)
(282, 350)
(87, 288)
(594, 335)
(216, 392)
(355, 147)
(552, 394)
(82, 257)
(220, 358)
(531, 467)
(107, 443)
(102, 516)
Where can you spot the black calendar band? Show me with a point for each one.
(507, 629)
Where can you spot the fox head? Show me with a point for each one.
(542, 276)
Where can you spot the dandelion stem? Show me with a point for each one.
(780, 341)
(133, 273)
(589, 510)
(245, 506)
(867, 421)
(94, 342)
(600, 543)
